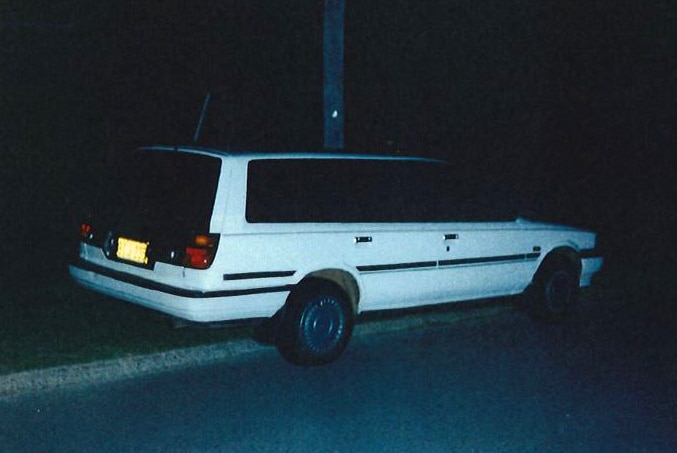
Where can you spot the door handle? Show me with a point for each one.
(450, 236)
(359, 239)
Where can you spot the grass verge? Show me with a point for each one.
(65, 324)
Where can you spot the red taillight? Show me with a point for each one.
(85, 231)
(199, 254)
(85, 228)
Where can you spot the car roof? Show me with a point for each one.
(258, 155)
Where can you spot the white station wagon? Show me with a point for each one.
(311, 241)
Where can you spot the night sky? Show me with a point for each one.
(570, 105)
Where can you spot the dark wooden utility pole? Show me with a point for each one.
(334, 114)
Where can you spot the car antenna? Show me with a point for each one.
(203, 113)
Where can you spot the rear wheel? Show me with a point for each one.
(317, 324)
(556, 290)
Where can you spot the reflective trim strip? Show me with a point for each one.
(490, 259)
(173, 290)
(397, 266)
(251, 275)
(449, 263)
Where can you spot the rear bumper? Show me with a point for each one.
(190, 304)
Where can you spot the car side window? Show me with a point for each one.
(319, 190)
(356, 190)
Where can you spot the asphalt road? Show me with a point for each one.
(604, 381)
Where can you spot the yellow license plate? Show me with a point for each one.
(131, 250)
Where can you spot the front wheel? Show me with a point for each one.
(317, 324)
(556, 290)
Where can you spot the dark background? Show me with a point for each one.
(568, 106)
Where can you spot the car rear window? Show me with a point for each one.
(159, 193)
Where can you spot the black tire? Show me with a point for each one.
(317, 324)
(555, 290)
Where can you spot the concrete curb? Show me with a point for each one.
(62, 377)
(33, 381)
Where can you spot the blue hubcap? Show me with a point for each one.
(323, 324)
